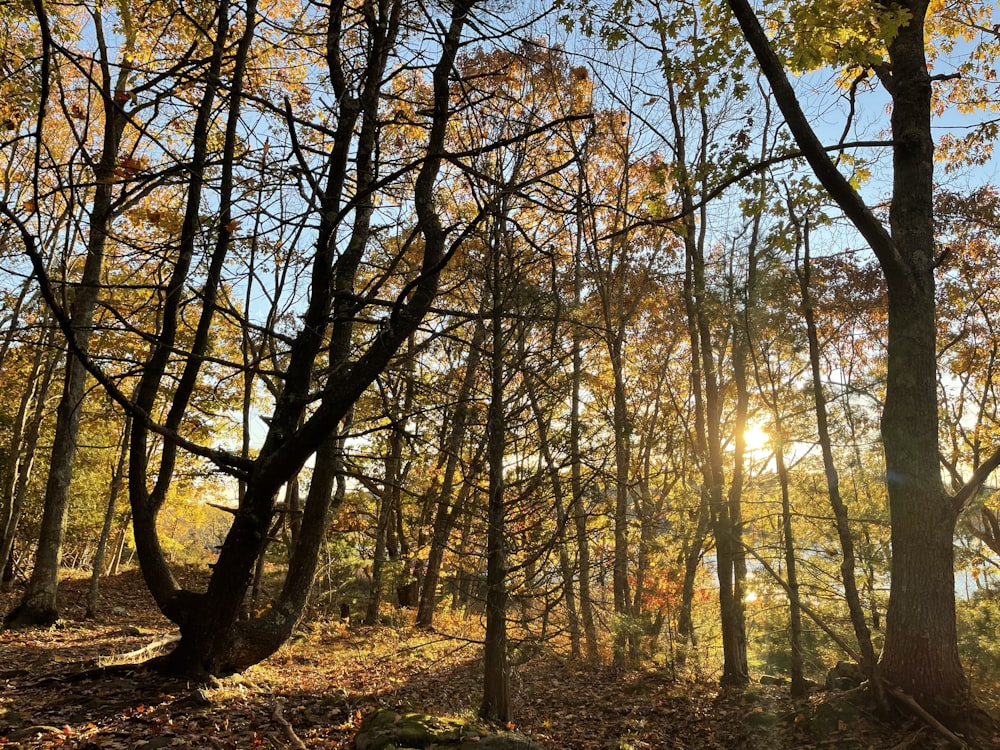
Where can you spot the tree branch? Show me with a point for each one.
(747, 171)
(226, 461)
(826, 171)
(971, 487)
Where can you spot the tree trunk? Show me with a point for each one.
(17, 452)
(920, 653)
(22, 459)
(447, 513)
(562, 521)
(462, 586)
(39, 606)
(921, 640)
(799, 686)
(496, 703)
(387, 501)
(708, 431)
(708, 401)
(691, 557)
(648, 508)
(117, 481)
(622, 435)
(578, 507)
(869, 660)
(116, 558)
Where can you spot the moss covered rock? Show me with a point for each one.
(832, 716)
(395, 730)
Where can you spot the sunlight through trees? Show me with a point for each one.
(645, 333)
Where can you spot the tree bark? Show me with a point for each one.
(921, 641)
(496, 703)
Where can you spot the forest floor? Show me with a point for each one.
(316, 690)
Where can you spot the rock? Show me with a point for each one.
(845, 675)
(393, 730)
(831, 716)
(119, 611)
(760, 718)
(158, 743)
(768, 679)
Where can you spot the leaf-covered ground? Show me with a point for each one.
(315, 691)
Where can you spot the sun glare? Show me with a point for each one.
(755, 438)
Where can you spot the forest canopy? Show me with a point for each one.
(645, 332)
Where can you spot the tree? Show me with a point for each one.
(447, 507)
(39, 604)
(25, 433)
(690, 119)
(310, 404)
(212, 639)
(921, 646)
(803, 272)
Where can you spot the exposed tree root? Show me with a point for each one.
(286, 727)
(147, 652)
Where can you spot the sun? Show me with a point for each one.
(755, 437)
